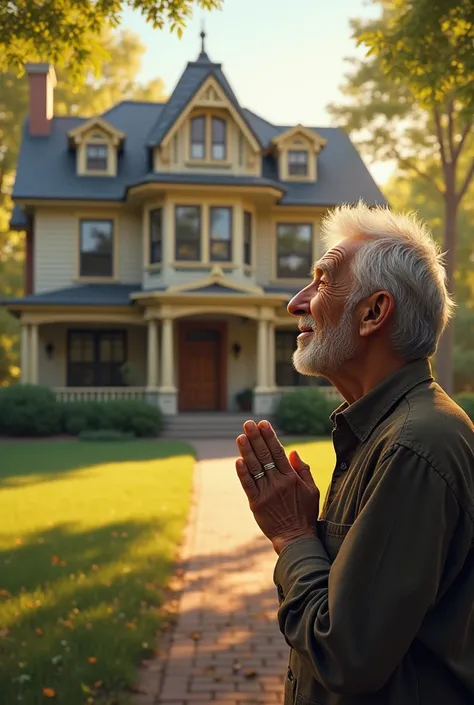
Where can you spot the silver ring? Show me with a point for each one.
(269, 466)
(259, 475)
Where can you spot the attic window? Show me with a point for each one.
(218, 139)
(297, 163)
(198, 138)
(97, 157)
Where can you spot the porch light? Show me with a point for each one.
(49, 350)
(236, 349)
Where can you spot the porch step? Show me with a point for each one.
(205, 425)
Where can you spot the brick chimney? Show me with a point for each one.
(42, 80)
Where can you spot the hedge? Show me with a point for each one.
(32, 410)
(304, 412)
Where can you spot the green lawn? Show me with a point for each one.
(320, 457)
(88, 532)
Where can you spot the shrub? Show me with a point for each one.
(125, 415)
(106, 435)
(244, 399)
(29, 410)
(305, 412)
(466, 402)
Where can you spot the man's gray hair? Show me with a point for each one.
(401, 257)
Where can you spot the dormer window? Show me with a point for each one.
(297, 162)
(97, 157)
(218, 139)
(198, 138)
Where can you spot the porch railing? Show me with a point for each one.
(99, 393)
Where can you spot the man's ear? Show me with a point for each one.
(376, 312)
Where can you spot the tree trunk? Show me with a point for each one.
(444, 357)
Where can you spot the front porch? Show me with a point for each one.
(197, 362)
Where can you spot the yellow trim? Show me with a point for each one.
(95, 122)
(171, 298)
(147, 265)
(42, 314)
(290, 219)
(198, 102)
(313, 137)
(255, 191)
(95, 215)
(216, 276)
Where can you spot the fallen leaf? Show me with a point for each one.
(49, 693)
(4, 593)
(94, 566)
(236, 667)
(92, 659)
(18, 541)
(209, 670)
(55, 560)
(124, 534)
(39, 631)
(250, 673)
(144, 645)
(90, 701)
(98, 684)
(67, 623)
(115, 534)
(3, 633)
(196, 636)
(131, 625)
(89, 625)
(217, 679)
(22, 664)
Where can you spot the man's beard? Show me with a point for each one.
(327, 348)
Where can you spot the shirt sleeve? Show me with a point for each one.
(352, 621)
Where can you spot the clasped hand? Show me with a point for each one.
(285, 501)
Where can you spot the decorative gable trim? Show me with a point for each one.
(211, 94)
(216, 276)
(79, 133)
(312, 137)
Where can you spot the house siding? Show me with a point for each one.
(264, 250)
(130, 244)
(55, 250)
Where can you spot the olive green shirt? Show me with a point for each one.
(378, 608)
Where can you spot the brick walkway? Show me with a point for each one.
(226, 647)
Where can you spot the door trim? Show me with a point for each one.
(221, 326)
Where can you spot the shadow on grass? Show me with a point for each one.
(78, 608)
(34, 462)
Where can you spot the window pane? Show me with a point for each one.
(155, 235)
(294, 250)
(298, 163)
(218, 139)
(247, 238)
(188, 233)
(221, 234)
(97, 157)
(95, 358)
(198, 138)
(96, 248)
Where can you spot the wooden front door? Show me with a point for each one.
(202, 366)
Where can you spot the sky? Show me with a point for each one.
(284, 60)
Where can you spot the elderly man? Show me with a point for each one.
(377, 596)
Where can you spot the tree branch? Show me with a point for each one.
(464, 136)
(439, 134)
(410, 165)
(452, 149)
(466, 182)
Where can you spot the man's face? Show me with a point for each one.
(327, 339)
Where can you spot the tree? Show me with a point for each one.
(83, 96)
(397, 113)
(406, 192)
(68, 32)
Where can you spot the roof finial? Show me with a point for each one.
(203, 39)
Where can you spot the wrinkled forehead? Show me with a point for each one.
(337, 260)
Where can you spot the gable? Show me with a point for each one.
(99, 126)
(302, 135)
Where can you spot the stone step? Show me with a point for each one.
(205, 425)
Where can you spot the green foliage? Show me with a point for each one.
(305, 412)
(29, 410)
(466, 402)
(123, 415)
(68, 32)
(105, 435)
(245, 399)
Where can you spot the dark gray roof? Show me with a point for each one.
(193, 77)
(82, 295)
(342, 175)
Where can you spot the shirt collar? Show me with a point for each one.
(366, 413)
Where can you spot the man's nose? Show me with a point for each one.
(300, 303)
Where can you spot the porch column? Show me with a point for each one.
(262, 354)
(25, 353)
(152, 354)
(34, 354)
(271, 355)
(167, 360)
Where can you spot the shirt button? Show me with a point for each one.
(343, 466)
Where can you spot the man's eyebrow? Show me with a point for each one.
(324, 267)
